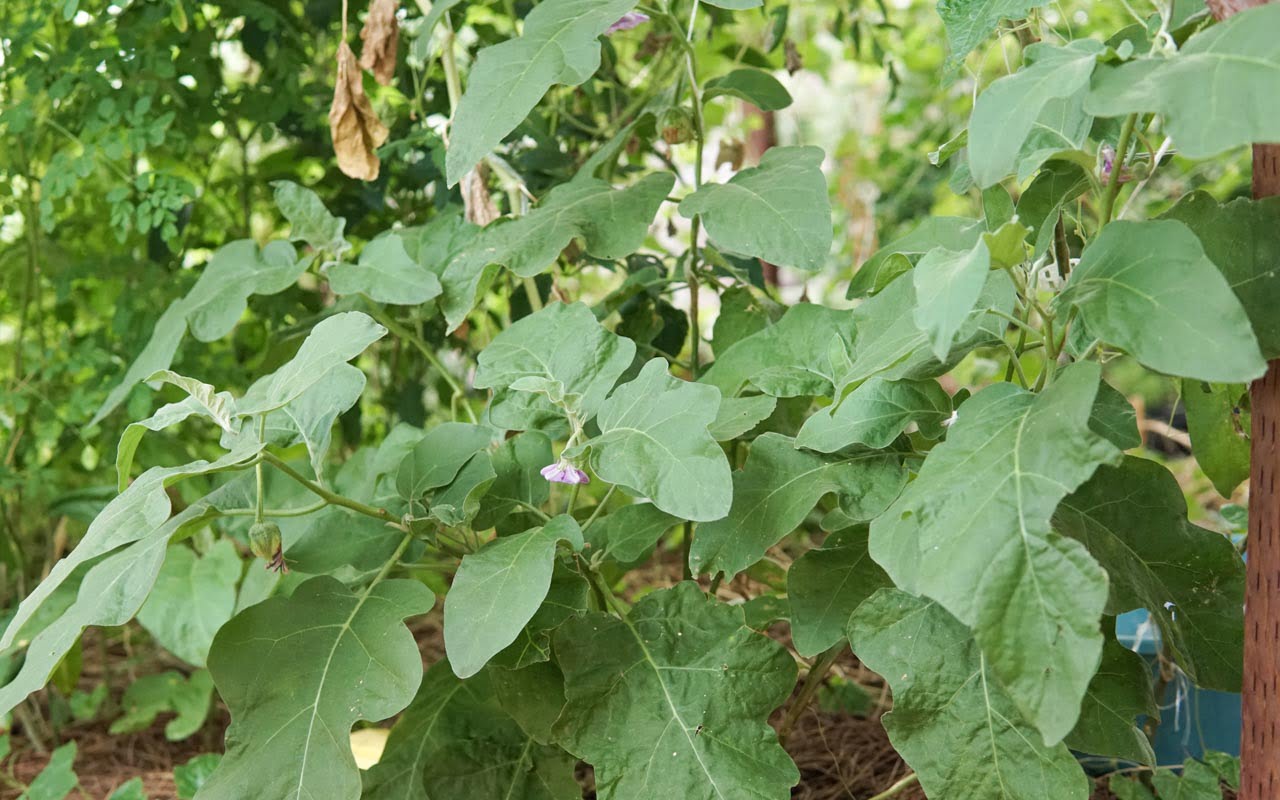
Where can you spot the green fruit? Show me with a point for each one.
(264, 540)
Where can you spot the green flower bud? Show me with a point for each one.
(264, 540)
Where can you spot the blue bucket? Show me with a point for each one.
(1193, 720)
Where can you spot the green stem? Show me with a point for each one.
(695, 228)
(422, 347)
(257, 469)
(1117, 167)
(532, 509)
(270, 513)
(910, 780)
(452, 82)
(531, 292)
(333, 498)
(604, 501)
(1021, 324)
(812, 682)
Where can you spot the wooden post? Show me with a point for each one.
(1260, 734)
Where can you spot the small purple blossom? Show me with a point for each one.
(1108, 164)
(631, 19)
(564, 472)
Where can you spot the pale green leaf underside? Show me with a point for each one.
(948, 284)
(826, 585)
(970, 22)
(875, 413)
(972, 531)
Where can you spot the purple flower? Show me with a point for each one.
(631, 19)
(564, 472)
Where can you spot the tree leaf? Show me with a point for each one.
(386, 274)
(498, 589)
(454, 741)
(1133, 519)
(628, 533)
(952, 233)
(777, 489)
(1240, 238)
(826, 585)
(778, 211)
(57, 779)
(739, 415)
(559, 46)
(193, 596)
(970, 22)
(1219, 426)
(1148, 288)
(236, 271)
(790, 358)
(516, 462)
(309, 220)
(948, 285)
(566, 597)
(436, 459)
(562, 343)
(952, 721)
(1118, 694)
(654, 442)
(330, 345)
(166, 416)
(672, 701)
(1206, 92)
(972, 531)
(890, 345)
(753, 85)
(1005, 115)
(345, 657)
(875, 413)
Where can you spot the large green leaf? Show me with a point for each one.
(1218, 422)
(566, 597)
(890, 345)
(561, 348)
(777, 211)
(156, 355)
(438, 456)
(753, 85)
(297, 672)
(517, 482)
(895, 258)
(952, 721)
(329, 346)
(236, 271)
(309, 220)
(1208, 91)
(875, 413)
(972, 532)
(559, 46)
(790, 358)
(166, 416)
(1118, 694)
(454, 742)
(672, 701)
(497, 591)
(193, 596)
(1133, 519)
(1149, 288)
(776, 490)
(948, 284)
(826, 585)
(970, 22)
(628, 533)
(308, 418)
(386, 274)
(1006, 114)
(1242, 239)
(654, 442)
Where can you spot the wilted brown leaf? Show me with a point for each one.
(477, 204)
(356, 130)
(381, 37)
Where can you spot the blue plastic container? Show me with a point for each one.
(1193, 720)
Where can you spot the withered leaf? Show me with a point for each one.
(356, 130)
(381, 37)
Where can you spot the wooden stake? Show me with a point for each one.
(1260, 734)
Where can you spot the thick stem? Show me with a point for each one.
(333, 498)
(1117, 168)
(812, 682)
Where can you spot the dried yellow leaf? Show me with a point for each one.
(381, 37)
